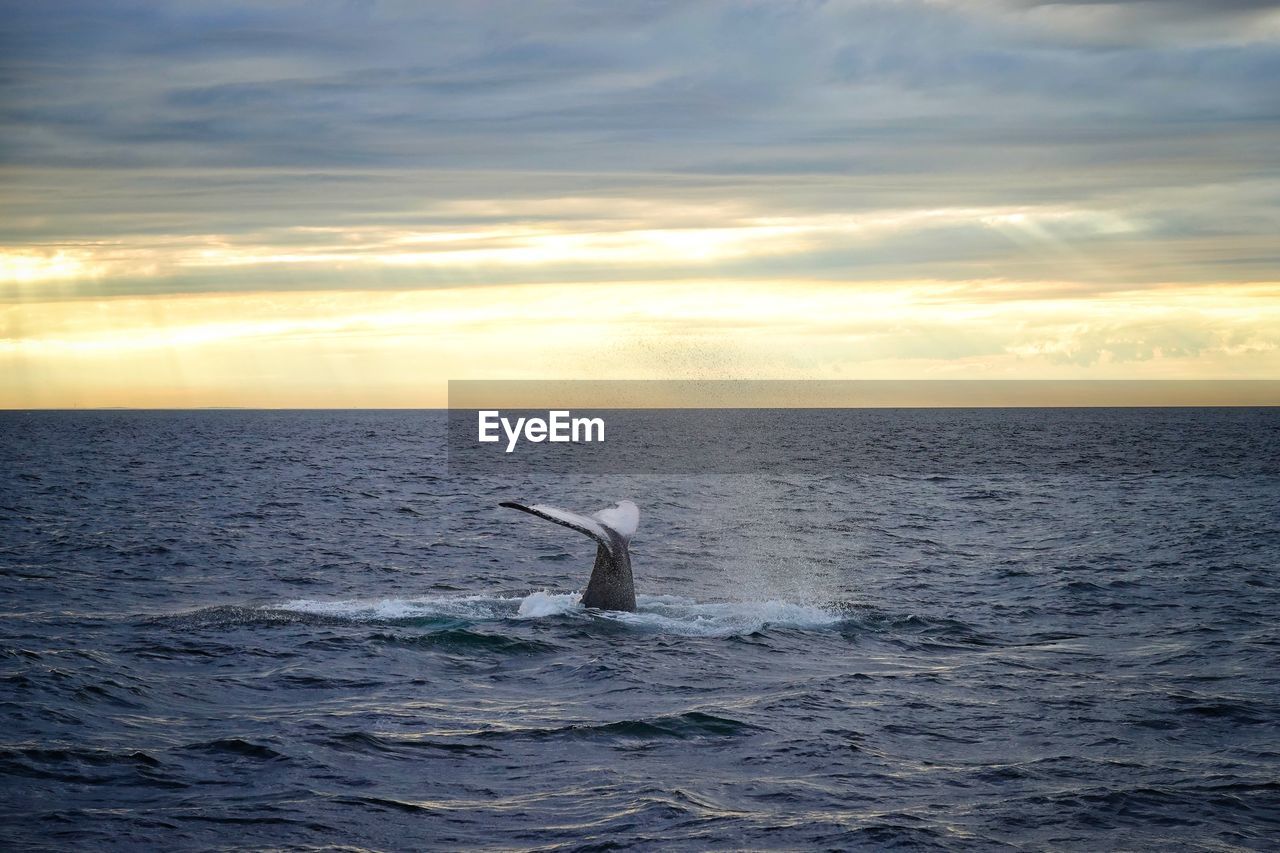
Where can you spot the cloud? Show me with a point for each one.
(841, 87)
(1196, 8)
(1100, 242)
(1014, 152)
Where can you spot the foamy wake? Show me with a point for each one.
(667, 614)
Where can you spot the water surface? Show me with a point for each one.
(296, 629)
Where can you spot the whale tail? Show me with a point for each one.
(611, 586)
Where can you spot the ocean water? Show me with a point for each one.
(1010, 629)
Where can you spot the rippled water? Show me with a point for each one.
(294, 629)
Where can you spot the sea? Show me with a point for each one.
(988, 629)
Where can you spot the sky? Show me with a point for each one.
(349, 203)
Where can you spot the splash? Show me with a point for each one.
(544, 603)
(468, 608)
(677, 615)
(663, 614)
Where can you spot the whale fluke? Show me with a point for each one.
(611, 586)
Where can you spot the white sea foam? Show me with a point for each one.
(676, 615)
(545, 603)
(470, 607)
(665, 614)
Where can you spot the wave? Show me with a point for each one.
(667, 614)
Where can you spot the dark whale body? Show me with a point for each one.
(611, 586)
